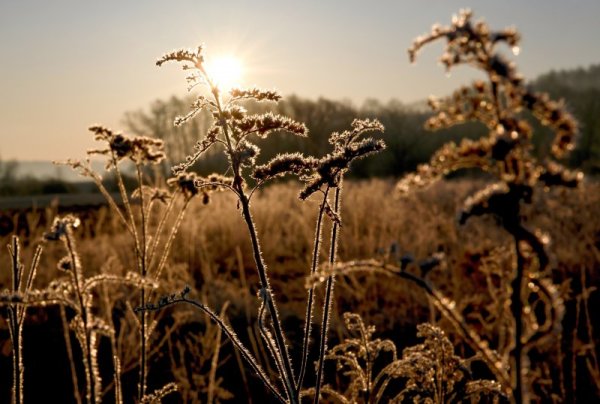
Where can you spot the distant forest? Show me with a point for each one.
(409, 144)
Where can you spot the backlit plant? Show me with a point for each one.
(235, 130)
(500, 104)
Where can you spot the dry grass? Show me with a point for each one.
(506, 297)
(374, 222)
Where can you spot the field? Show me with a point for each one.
(213, 256)
(280, 276)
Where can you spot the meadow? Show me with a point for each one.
(244, 286)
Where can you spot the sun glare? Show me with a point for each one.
(225, 71)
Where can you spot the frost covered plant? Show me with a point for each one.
(235, 131)
(139, 149)
(416, 273)
(433, 373)
(16, 308)
(429, 372)
(322, 175)
(156, 206)
(499, 103)
(76, 292)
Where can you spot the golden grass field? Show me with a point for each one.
(212, 253)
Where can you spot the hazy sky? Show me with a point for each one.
(67, 64)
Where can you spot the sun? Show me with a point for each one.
(225, 71)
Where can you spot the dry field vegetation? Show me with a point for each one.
(231, 288)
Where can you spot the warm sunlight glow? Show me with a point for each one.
(225, 71)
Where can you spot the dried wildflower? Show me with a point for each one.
(283, 164)
(427, 372)
(195, 57)
(157, 396)
(506, 154)
(185, 182)
(554, 115)
(213, 182)
(191, 184)
(356, 358)
(468, 103)
(263, 125)
(151, 194)
(433, 372)
(232, 124)
(245, 154)
(139, 149)
(347, 148)
(61, 227)
(359, 127)
(471, 43)
(255, 94)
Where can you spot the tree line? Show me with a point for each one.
(409, 144)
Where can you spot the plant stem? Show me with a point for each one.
(169, 242)
(270, 303)
(517, 313)
(214, 364)
(78, 280)
(158, 232)
(232, 337)
(16, 326)
(140, 256)
(328, 297)
(67, 337)
(311, 293)
(17, 341)
(142, 260)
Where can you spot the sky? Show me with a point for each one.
(68, 64)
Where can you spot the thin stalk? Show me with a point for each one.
(270, 303)
(16, 326)
(232, 337)
(140, 256)
(110, 200)
(113, 346)
(268, 340)
(214, 364)
(159, 228)
(368, 363)
(90, 382)
(169, 242)
(328, 297)
(127, 205)
(311, 294)
(67, 337)
(240, 364)
(17, 341)
(142, 261)
(516, 308)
